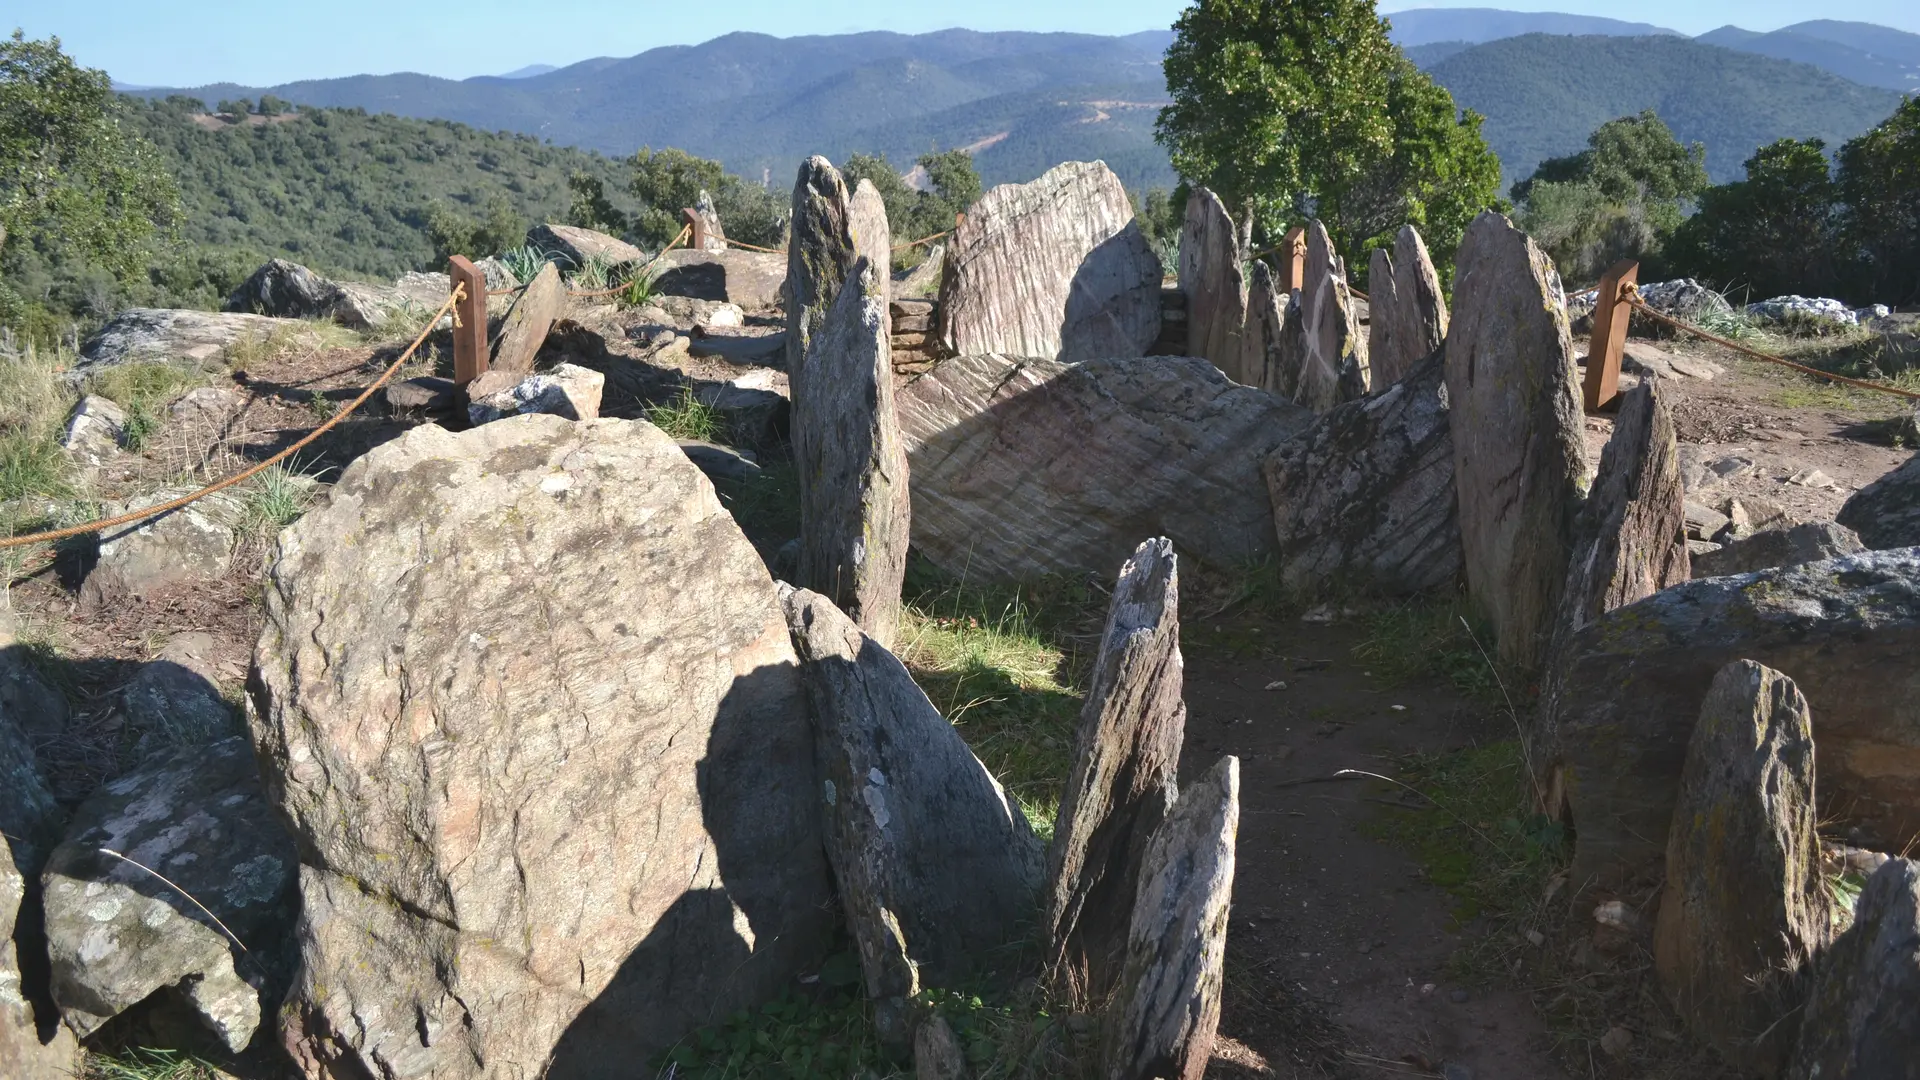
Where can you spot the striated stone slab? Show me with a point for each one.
(1331, 319)
(527, 323)
(1408, 310)
(872, 240)
(820, 252)
(1215, 289)
(1862, 1018)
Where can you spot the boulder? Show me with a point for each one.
(527, 323)
(1056, 269)
(1886, 513)
(755, 407)
(1862, 1019)
(427, 393)
(177, 549)
(191, 339)
(290, 291)
(1162, 1022)
(1365, 496)
(1023, 468)
(872, 240)
(1814, 541)
(1744, 907)
(205, 407)
(1747, 516)
(1519, 446)
(1126, 760)
(580, 246)
(561, 851)
(35, 710)
(427, 289)
(1408, 316)
(849, 458)
(1328, 316)
(34, 1045)
(565, 390)
(116, 933)
(1682, 298)
(1216, 291)
(937, 868)
(1614, 736)
(1787, 309)
(29, 816)
(174, 699)
(937, 1053)
(95, 432)
(819, 254)
(752, 279)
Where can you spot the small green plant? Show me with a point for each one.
(525, 262)
(1731, 324)
(804, 1038)
(597, 273)
(144, 1064)
(275, 499)
(640, 285)
(687, 417)
(34, 402)
(323, 407)
(1426, 637)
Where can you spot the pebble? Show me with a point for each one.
(1458, 997)
(1276, 685)
(1616, 1042)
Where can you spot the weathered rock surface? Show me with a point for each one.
(937, 1053)
(527, 323)
(923, 280)
(1815, 541)
(1518, 440)
(1862, 1018)
(424, 394)
(36, 711)
(1615, 731)
(33, 1043)
(28, 814)
(197, 339)
(752, 279)
(1744, 908)
(526, 696)
(936, 866)
(1886, 513)
(175, 697)
(1026, 468)
(715, 235)
(1216, 291)
(1408, 316)
(1366, 495)
(1329, 318)
(288, 290)
(1161, 1025)
(1126, 761)
(1054, 269)
(96, 429)
(1271, 351)
(872, 240)
(115, 934)
(176, 549)
(565, 390)
(820, 253)
(720, 462)
(849, 457)
(581, 246)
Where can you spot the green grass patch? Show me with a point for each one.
(34, 401)
(273, 500)
(1430, 637)
(143, 1064)
(687, 417)
(142, 390)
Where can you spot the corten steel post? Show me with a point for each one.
(1611, 313)
(698, 240)
(1293, 259)
(469, 321)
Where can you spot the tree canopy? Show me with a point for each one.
(915, 214)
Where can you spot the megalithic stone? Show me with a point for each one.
(1332, 326)
(1862, 1018)
(820, 252)
(1216, 290)
(872, 235)
(1408, 311)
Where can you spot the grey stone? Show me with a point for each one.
(1886, 513)
(95, 432)
(819, 254)
(205, 407)
(527, 323)
(1704, 522)
(424, 394)
(175, 697)
(28, 813)
(720, 462)
(872, 240)
(175, 550)
(1815, 541)
(425, 288)
(1270, 348)
(565, 390)
(34, 1045)
(586, 822)
(1862, 1018)
(937, 1054)
(197, 340)
(580, 246)
(1334, 337)
(748, 349)
(709, 215)
(752, 279)
(1216, 292)
(1747, 515)
(1786, 308)
(116, 934)
(1028, 468)
(923, 280)
(1408, 310)
(288, 290)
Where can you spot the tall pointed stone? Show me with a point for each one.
(872, 235)
(1216, 290)
(1125, 760)
(1408, 311)
(851, 461)
(1162, 1021)
(1264, 334)
(1744, 907)
(1862, 1019)
(1519, 455)
(820, 252)
(1332, 326)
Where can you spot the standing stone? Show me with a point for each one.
(1518, 442)
(116, 935)
(34, 1045)
(820, 252)
(1862, 1020)
(527, 322)
(1366, 497)
(1886, 513)
(851, 462)
(1330, 320)
(526, 697)
(1261, 362)
(709, 215)
(1215, 289)
(937, 867)
(872, 240)
(1126, 758)
(1162, 1023)
(1744, 907)
(1056, 269)
(1408, 311)
(1028, 468)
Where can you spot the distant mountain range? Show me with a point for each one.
(1867, 54)
(1474, 26)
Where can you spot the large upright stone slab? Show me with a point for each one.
(872, 238)
(1126, 760)
(820, 252)
(1329, 318)
(1056, 269)
(527, 323)
(1862, 1019)
(1265, 359)
(526, 697)
(1518, 444)
(1614, 736)
(1028, 468)
(1407, 310)
(1365, 497)
(1744, 908)
(851, 462)
(937, 868)
(1215, 288)
(1886, 513)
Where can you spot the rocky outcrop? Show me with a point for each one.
(1027, 468)
(1408, 310)
(1215, 289)
(194, 339)
(580, 246)
(527, 323)
(1054, 269)
(116, 934)
(753, 279)
(1518, 441)
(1815, 541)
(1744, 908)
(95, 432)
(1126, 759)
(1161, 1024)
(820, 252)
(1330, 319)
(565, 390)
(526, 697)
(937, 868)
(33, 1043)
(175, 550)
(1862, 1018)
(1615, 733)
(1886, 513)
(850, 461)
(1365, 496)
(288, 290)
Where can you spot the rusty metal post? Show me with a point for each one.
(1611, 314)
(1293, 259)
(469, 321)
(698, 240)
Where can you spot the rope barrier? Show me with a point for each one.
(782, 251)
(755, 247)
(1630, 292)
(459, 293)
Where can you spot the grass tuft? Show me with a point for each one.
(143, 390)
(275, 499)
(34, 401)
(687, 417)
(1427, 637)
(144, 1064)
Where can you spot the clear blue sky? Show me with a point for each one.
(172, 43)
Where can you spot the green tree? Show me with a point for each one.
(1774, 232)
(590, 208)
(273, 106)
(1879, 182)
(954, 179)
(669, 180)
(498, 228)
(234, 108)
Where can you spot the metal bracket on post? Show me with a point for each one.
(698, 224)
(1611, 314)
(1293, 262)
(469, 321)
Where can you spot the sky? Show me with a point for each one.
(170, 43)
